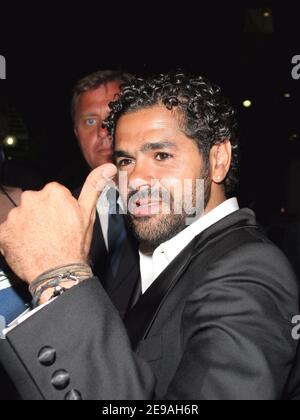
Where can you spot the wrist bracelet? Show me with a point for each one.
(41, 285)
(78, 270)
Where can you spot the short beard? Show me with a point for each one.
(151, 233)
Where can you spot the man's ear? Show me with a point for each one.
(75, 132)
(220, 161)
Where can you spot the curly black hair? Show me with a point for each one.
(208, 117)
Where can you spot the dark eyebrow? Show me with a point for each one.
(121, 153)
(148, 147)
(88, 114)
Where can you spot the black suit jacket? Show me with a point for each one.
(216, 324)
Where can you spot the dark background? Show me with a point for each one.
(231, 43)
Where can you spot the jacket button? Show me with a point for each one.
(47, 356)
(73, 395)
(60, 379)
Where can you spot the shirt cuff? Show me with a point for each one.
(23, 317)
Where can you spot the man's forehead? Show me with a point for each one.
(152, 119)
(145, 147)
(103, 93)
(149, 129)
(94, 102)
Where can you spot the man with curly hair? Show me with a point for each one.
(211, 315)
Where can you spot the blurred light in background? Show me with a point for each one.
(294, 137)
(259, 20)
(247, 103)
(10, 141)
(267, 13)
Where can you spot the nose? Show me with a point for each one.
(140, 177)
(104, 136)
(102, 131)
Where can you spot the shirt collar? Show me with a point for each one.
(175, 245)
(151, 266)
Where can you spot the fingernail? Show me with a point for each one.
(107, 175)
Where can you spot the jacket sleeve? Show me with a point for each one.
(76, 348)
(235, 333)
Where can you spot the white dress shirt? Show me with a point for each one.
(151, 266)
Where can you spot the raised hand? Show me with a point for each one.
(51, 228)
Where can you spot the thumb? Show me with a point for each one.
(94, 185)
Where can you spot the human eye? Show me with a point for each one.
(162, 156)
(90, 121)
(122, 163)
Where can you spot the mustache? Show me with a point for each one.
(149, 193)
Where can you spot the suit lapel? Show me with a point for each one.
(138, 319)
